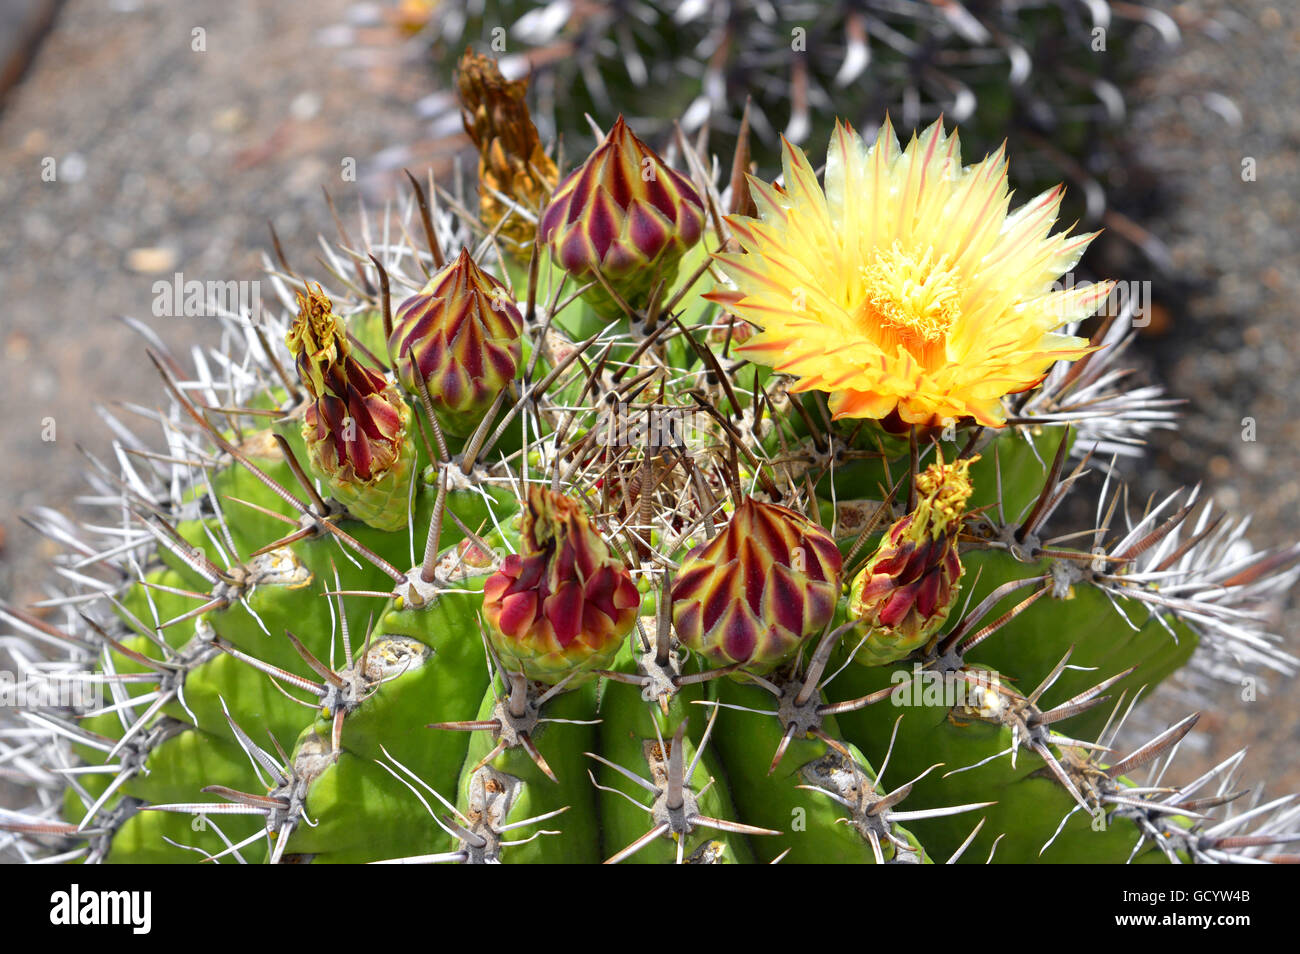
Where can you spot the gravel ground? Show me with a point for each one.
(165, 159)
(1221, 109)
(171, 159)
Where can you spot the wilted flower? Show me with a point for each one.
(623, 213)
(757, 590)
(905, 286)
(564, 602)
(511, 161)
(355, 423)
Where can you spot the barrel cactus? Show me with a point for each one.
(733, 536)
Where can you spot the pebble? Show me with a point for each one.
(151, 261)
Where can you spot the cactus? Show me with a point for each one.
(647, 596)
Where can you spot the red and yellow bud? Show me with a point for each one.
(462, 332)
(355, 423)
(758, 589)
(625, 214)
(909, 586)
(511, 161)
(564, 602)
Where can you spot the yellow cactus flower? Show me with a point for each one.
(905, 289)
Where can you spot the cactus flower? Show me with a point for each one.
(907, 589)
(623, 213)
(758, 589)
(564, 601)
(463, 330)
(356, 424)
(904, 286)
(511, 161)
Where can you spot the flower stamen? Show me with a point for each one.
(912, 299)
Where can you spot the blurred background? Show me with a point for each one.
(140, 138)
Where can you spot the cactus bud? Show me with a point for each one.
(625, 214)
(463, 330)
(909, 585)
(511, 161)
(564, 602)
(355, 423)
(758, 589)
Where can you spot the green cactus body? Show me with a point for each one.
(632, 733)
(748, 743)
(547, 641)
(561, 744)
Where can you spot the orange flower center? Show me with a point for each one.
(911, 300)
